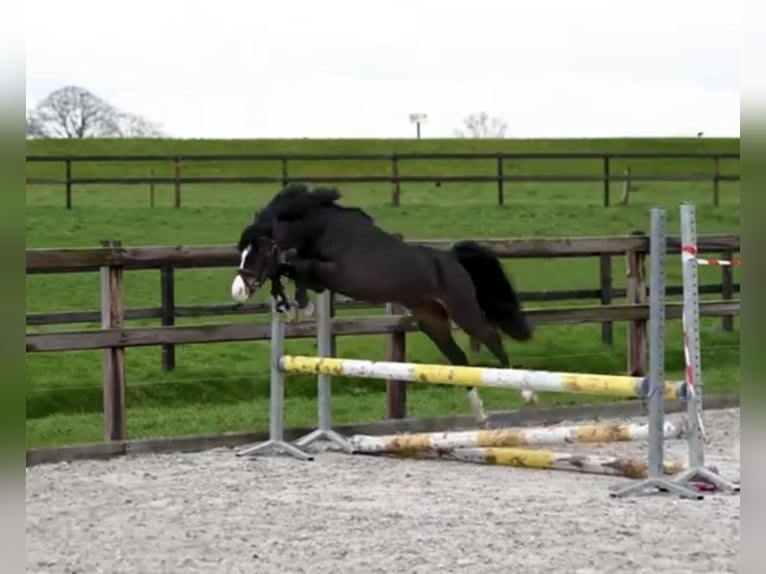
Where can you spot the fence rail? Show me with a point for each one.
(222, 309)
(153, 336)
(90, 259)
(114, 337)
(232, 157)
(394, 177)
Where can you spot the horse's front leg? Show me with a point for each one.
(305, 306)
(281, 303)
(306, 272)
(303, 303)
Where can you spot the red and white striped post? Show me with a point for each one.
(697, 471)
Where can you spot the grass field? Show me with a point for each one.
(224, 387)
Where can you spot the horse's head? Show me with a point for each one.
(260, 254)
(259, 260)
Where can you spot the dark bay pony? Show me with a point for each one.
(342, 249)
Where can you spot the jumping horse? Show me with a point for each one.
(329, 246)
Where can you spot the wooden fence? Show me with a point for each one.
(498, 175)
(111, 260)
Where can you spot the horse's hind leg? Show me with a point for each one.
(470, 318)
(435, 323)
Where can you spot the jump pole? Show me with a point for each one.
(276, 441)
(511, 437)
(519, 379)
(628, 467)
(324, 390)
(691, 327)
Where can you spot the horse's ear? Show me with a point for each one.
(255, 215)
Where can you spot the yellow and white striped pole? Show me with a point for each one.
(511, 437)
(545, 381)
(547, 460)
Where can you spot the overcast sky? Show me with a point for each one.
(335, 68)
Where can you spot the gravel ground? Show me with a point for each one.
(215, 513)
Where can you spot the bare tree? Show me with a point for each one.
(74, 112)
(481, 125)
(34, 127)
(135, 126)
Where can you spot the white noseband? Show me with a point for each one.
(239, 289)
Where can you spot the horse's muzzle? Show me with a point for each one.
(243, 288)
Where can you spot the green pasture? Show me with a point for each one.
(224, 387)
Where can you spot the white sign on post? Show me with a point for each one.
(418, 119)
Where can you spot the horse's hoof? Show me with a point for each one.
(530, 397)
(280, 309)
(308, 311)
(485, 423)
(280, 306)
(287, 313)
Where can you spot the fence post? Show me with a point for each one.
(396, 190)
(177, 198)
(113, 317)
(284, 172)
(626, 186)
(396, 351)
(500, 191)
(727, 289)
(716, 181)
(151, 188)
(68, 184)
(605, 293)
(396, 391)
(636, 295)
(606, 181)
(333, 337)
(168, 305)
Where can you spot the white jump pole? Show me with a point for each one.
(511, 437)
(629, 467)
(458, 375)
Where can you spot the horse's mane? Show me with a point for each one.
(249, 235)
(291, 203)
(296, 201)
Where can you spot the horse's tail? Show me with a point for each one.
(494, 291)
